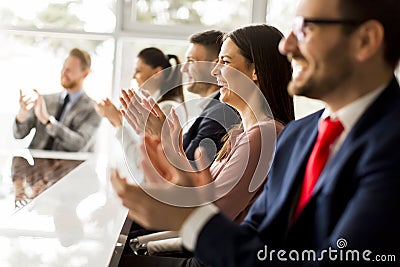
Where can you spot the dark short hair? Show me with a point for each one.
(210, 39)
(387, 13)
(259, 45)
(83, 56)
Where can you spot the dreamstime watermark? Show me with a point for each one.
(329, 254)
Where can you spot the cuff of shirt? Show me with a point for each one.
(195, 223)
(54, 125)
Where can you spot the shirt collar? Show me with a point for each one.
(349, 115)
(204, 101)
(73, 97)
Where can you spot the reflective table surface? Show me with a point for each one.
(59, 212)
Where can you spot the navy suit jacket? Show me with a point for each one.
(357, 197)
(208, 129)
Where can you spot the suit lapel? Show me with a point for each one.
(373, 114)
(52, 103)
(301, 153)
(294, 174)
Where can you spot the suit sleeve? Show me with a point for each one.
(21, 130)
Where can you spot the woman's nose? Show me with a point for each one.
(216, 70)
(288, 45)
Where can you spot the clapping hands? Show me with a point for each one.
(33, 101)
(107, 109)
(143, 114)
(26, 103)
(40, 108)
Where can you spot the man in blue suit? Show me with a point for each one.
(344, 52)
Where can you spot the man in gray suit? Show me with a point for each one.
(64, 121)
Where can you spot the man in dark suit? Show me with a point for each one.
(216, 118)
(336, 200)
(63, 121)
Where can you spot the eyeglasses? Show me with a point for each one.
(300, 23)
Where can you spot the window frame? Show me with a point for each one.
(125, 28)
(257, 14)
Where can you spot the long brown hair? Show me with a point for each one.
(259, 45)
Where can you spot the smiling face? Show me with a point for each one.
(197, 67)
(72, 74)
(233, 73)
(321, 61)
(144, 71)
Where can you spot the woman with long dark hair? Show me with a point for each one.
(253, 78)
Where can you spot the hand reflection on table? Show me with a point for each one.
(31, 180)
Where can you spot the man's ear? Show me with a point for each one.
(369, 40)
(86, 73)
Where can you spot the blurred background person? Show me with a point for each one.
(158, 78)
(165, 88)
(64, 121)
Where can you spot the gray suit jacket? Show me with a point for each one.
(75, 133)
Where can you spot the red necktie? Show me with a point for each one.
(329, 131)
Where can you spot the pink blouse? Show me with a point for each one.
(240, 176)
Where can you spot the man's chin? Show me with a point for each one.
(192, 88)
(297, 88)
(65, 85)
(309, 90)
(189, 86)
(292, 88)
